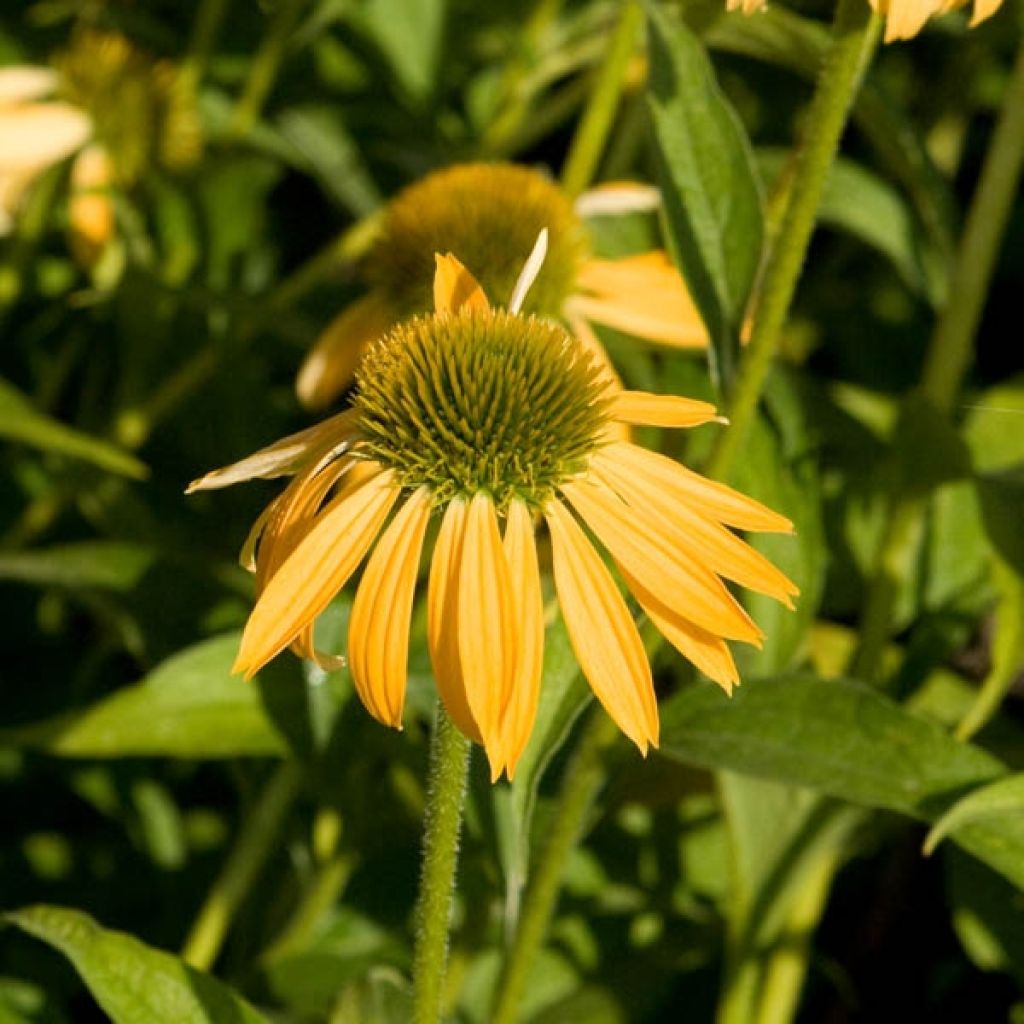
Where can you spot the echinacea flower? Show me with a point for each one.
(110, 107)
(490, 214)
(488, 421)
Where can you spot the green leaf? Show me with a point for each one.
(105, 565)
(190, 706)
(711, 195)
(21, 421)
(999, 800)
(847, 741)
(132, 982)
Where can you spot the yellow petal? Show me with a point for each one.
(616, 430)
(332, 362)
(35, 135)
(672, 575)
(642, 295)
(601, 629)
(442, 619)
(984, 9)
(487, 633)
(708, 652)
(528, 611)
(706, 496)
(378, 629)
(455, 287)
(315, 571)
(703, 538)
(90, 205)
(645, 409)
(905, 18)
(285, 457)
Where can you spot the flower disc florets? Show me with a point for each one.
(480, 401)
(490, 215)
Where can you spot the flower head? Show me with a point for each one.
(492, 422)
(490, 214)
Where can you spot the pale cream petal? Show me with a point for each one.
(315, 571)
(455, 287)
(36, 135)
(528, 606)
(602, 631)
(704, 539)
(378, 630)
(643, 295)
(642, 408)
(708, 652)
(709, 497)
(487, 631)
(331, 363)
(676, 578)
(529, 272)
(332, 437)
(615, 198)
(21, 83)
(442, 619)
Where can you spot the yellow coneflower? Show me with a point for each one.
(483, 417)
(490, 215)
(111, 107)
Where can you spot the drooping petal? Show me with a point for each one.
(708, 652)
(528, 611)
(706, 496)
(21, 83)
(332, 362)
(642, 408)
(487, 630)
(531, 268)
(672, 575)
(724, 552)
(984, 9)
(442, 619)
(378, 630)
(455, 287)
(36, 135)
(615, 198)
(601, 629)
(904, 18)
(642, 295)
(315, 571)
(284, 457)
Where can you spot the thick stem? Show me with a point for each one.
(583, 779)
(855, 35)
(449, 763)
(589, 141)
(255, 842)
(949, 355)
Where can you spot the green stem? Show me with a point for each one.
(205, 29)
(855, 35)
(265, 65)
(589, 141)
(583, 780)
(253, 846)
(948, 356)
(449, 763)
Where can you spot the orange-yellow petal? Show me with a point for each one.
(90, 206)
(455, 286)
(616, 430)
(315, 571)
(642, 295)
(528, 611)
(332, 362)
(442, 619)
(602, 631)
(672, 575)
(378, 630)
(487, 630)
(645, 409)
(709, 497)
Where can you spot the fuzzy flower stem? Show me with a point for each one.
(949, 353)
(584, 777)
(855, 36)
(446, 792)
(592, 133)
(255, 843)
